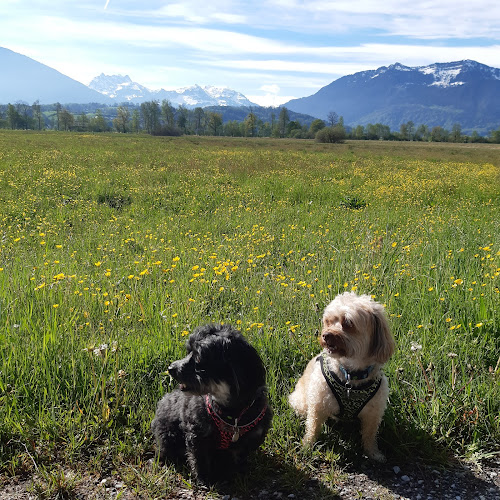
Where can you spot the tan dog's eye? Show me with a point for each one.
(346, 324)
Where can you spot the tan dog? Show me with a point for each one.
(345, 381)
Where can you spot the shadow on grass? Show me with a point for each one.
(270, 477)
(417, 465)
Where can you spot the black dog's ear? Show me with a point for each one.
(246, 366)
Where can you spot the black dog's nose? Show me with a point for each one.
(173, 369)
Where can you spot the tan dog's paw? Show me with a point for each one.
(376, 456)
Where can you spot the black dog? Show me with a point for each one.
(220, 412)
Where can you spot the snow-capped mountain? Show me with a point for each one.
(122, 88)
(440, 94)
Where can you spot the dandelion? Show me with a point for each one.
(415, 347)
(97, 264)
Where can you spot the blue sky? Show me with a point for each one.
(271, 51)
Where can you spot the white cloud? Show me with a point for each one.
(271, 89)
(270, 100)
(262, 49)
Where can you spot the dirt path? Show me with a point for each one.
(368, 482)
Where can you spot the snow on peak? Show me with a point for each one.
(122, 88)
(444, 75)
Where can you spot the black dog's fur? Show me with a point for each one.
(221, 373)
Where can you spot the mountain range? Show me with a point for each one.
(122, 88)
(441, 94)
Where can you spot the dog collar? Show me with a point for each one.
(356, 375)
(351, 399)
(230, 432)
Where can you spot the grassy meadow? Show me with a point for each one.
(113, 247)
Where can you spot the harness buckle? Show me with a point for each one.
(236, 432)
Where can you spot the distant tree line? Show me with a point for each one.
(162, 118)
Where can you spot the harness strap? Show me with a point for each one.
(351, 399)
(230, 433)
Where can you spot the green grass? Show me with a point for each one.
(114, 247)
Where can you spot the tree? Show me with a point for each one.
(82, 122)
(97, 123)
(456, 133)
(315, 126)
(167, 113)
(150, 112)
(182, 118)
(37, 114)
(122, 118)
(439, 134)
(198, 115)
(422, 133)
(250, 125)
(294, 129)
(331, 134)
(24, 111)
(332, 118)
(283, 120)
(233, 128)
(66, 119)
(495, 136)
(135, 122)
(475, 137)
(214, 122)
(13, 117)
(58, 114)
(358, 132)
(407, 131)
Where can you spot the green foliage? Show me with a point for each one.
(115, 246)
(331, 134)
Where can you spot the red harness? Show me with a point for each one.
(228, 432)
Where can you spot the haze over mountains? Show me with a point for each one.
(24, 79)
(463, 92)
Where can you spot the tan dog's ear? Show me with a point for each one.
(382, 344)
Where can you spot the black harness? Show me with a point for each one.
(351, 399)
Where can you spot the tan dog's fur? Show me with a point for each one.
(356, 335)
